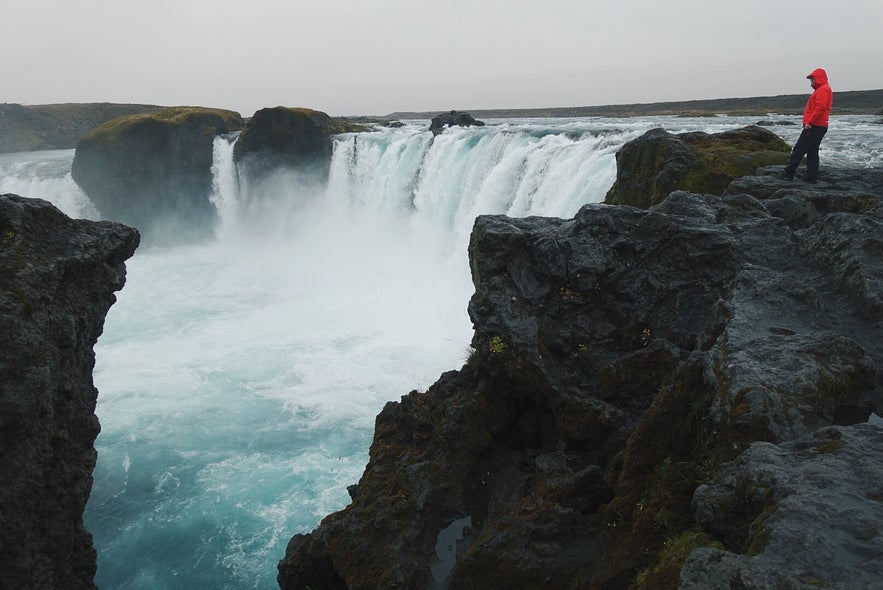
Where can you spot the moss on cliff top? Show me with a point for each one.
(115, 130)
(652, 166)
(330, 124)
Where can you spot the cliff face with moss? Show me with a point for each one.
(623, 360)
(153, 171)
(58, 279)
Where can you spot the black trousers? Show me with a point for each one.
(807, 145)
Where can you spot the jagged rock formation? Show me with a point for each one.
(153, 171)
(439, 122)
(659, 162)
(56, 126)
(58, 279)
(621, 357)
(295, 139)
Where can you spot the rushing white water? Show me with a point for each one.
(45, 175)
(239, 379)
(447, 181)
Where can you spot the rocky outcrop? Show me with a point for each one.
(58, 279)
(773, 123)
(57, 126)
(803, 514)
(153, 171)
(659, 162)
(294, 139)
(620, 359)
(460, 119)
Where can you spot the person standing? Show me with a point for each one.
(815, 125)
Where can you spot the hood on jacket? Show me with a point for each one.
(819, 77)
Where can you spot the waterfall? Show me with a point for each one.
(447, 180)
(45, 175)
(426, 185)
(225, 181)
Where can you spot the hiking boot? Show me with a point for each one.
(787, 175)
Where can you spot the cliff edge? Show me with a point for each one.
(627, 364)
(58, 279)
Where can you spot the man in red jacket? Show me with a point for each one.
(815, 125)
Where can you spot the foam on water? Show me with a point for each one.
(245, 405)
(239, 379)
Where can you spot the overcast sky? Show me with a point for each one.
(373, 57)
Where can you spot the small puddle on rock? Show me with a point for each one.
(446, 548)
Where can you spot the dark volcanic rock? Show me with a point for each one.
(657, 163)
(620, 356)
(803, 514)
(768, 123)
(295, 139)
(153, 171)
(58, 279)
(439, 122)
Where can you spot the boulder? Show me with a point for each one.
(619, 358)
(153, 171)
(440, 122)
(769, 123)
(657, 163)
(58, 280)
(284, 138)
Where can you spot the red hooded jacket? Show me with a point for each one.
(818, 107)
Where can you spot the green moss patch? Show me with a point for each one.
(665, 573)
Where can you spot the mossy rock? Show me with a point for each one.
(654, 165)
(299, 132)
(288, 138)
(117, 132)
(151, 170)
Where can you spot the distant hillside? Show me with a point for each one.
(56, 126)
(858, 102)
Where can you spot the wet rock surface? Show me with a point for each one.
(622, 359)
(58, 279)
(453, 118)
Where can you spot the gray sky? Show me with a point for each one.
(352, 57)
